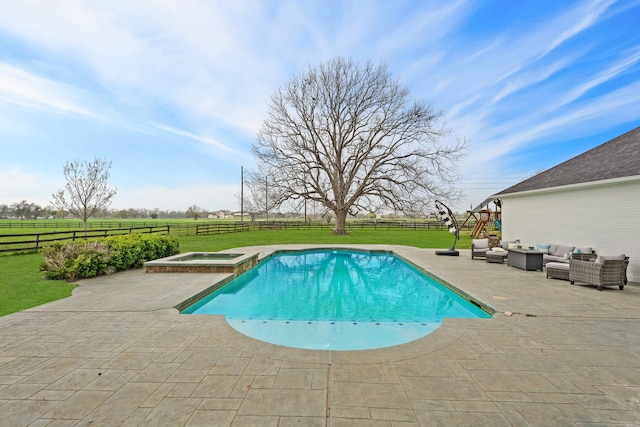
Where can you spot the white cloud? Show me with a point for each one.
(511, 89)
(201, 71)
(204, 139)
(28, 90)
(588, 12)
(610, 72)
(207, 196)
(17, 184)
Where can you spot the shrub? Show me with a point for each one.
(75, 260)
(89, 259)
(88, 265)
(125, 251)
(133, 250)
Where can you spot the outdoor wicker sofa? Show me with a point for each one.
(554, 252)
(604, 271)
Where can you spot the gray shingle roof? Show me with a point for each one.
(617, 158)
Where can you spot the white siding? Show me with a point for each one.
(604, 215)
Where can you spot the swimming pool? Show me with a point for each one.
(335, 299)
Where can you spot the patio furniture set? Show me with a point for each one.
(564, 262)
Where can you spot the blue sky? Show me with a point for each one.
(173, 93)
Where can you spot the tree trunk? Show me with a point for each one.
(341, 220)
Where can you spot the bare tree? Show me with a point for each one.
(86, 187)
(260, 199)
(346, 136)
(195, 212)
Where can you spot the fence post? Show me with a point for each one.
(37, 241)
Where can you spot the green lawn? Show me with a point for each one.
(418, 238)
(22, 287)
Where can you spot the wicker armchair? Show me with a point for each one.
(604, 271)
(479, 248)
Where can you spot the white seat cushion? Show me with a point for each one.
(557, 265)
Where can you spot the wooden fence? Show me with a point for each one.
(35, 241)
(219, 228)
(73, 224)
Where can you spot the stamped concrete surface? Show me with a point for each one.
(118, 353)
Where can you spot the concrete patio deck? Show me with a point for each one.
(118, 353)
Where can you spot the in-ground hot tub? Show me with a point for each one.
(203, 262)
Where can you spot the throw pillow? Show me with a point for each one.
(544, 248)
(505, 243)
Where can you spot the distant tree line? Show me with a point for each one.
(25, 210)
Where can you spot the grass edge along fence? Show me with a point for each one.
(27, 242)
(36, 241)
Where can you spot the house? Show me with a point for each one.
(592, 199)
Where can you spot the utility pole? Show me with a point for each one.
(266, 196)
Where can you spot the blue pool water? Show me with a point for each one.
(336, 300)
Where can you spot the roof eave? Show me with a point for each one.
(580, 185)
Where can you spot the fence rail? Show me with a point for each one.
(56, 224)
(35, 241)
(219, 228)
